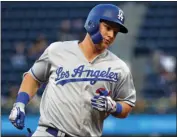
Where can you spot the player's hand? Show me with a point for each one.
(17, 115)
(103, 103)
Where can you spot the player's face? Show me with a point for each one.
(108, 31)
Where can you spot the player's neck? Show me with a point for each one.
(88, 48)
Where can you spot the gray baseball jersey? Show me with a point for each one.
(71, 83)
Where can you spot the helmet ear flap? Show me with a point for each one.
(97, 37)
(92, 27)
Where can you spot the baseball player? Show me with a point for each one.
(85, 81)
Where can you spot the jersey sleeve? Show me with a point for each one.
(41, 68)
(125, 90)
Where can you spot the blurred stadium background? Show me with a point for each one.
(150, 49)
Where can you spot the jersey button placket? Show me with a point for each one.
(82, 106)
(85, 88)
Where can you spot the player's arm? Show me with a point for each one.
(126, 97)
(29, 85)
(39, 73)
(125, 110)
(28, 89)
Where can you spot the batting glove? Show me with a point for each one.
(17, 115)
(103, 103)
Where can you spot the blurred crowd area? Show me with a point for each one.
(29, 27)
(158, 93)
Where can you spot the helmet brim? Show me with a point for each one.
(123, 29)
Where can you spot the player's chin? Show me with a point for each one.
(102, 47)
(105, 45)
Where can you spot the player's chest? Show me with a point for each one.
(84, 73)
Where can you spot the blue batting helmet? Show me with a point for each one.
(107, 12)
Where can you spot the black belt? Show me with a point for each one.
(55, 132)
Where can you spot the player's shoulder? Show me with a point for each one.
(59, 45)
(119, 63)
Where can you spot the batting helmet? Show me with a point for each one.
(107, 12)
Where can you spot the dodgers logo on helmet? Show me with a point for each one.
(120, 15)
